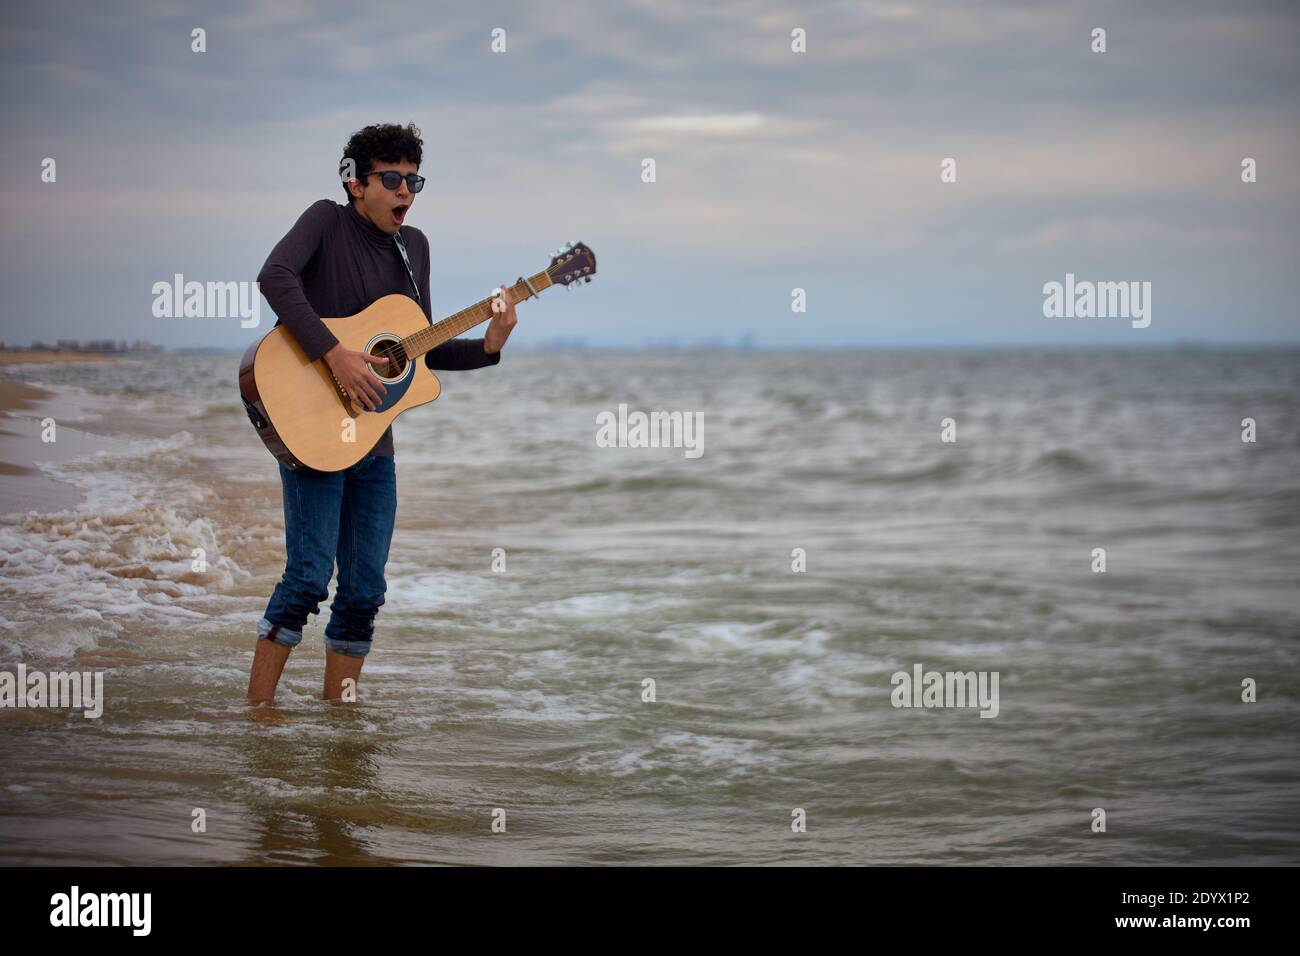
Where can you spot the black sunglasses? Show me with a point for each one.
(391, 179)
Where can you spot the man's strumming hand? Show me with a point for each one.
(503, 321)
(352, 369)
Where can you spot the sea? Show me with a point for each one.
(601, 655)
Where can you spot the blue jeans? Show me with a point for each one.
(345, 515)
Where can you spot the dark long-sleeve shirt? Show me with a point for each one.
(335, 263)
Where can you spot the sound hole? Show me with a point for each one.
(391, 349)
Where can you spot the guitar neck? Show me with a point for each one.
(439, 332)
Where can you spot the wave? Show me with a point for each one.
(143, 541)
(948, 470)
(636, 483)
(218, 410)
(1060, 461)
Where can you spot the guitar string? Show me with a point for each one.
(398, 352)
(417, 339)
(452, 321)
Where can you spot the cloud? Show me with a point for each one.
(715, 124)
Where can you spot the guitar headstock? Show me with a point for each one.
(572, 265)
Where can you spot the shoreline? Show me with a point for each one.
(15, 395)
(52, 357)
(23, 486)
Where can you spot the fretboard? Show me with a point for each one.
(446, 330)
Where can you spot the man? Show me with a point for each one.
(335, 261)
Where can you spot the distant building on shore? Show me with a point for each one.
(102, 346)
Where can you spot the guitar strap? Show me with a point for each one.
(406, 260)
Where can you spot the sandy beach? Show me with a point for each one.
(17, 395)
(23, 486)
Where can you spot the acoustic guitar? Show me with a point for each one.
(304, 416)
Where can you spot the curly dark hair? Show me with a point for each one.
(388, 143)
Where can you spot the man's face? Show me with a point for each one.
(386, 208)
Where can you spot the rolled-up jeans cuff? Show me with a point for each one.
(350, 648)
(282, 634)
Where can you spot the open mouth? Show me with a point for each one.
(399, 213)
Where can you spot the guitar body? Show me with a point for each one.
(300, 412)
(296, 407)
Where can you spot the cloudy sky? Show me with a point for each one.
(775, 170)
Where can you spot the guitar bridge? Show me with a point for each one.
(338, 387)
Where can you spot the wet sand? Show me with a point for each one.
(19, 395)
(22, 485)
